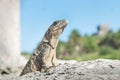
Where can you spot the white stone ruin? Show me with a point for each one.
(10, 33)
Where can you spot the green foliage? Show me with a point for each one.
(93, 56)
(67, 49)
(79, 46)
(74, 34)
(74, 37)
(111, 40)
(106, 50)
(90, 45)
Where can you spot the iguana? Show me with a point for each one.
(44, 55)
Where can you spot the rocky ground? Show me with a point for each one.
(100, 69)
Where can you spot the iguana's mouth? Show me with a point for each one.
(65, 22)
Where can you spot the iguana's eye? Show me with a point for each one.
(54, 23)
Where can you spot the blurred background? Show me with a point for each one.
(93, 30)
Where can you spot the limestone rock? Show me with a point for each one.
(100, 69)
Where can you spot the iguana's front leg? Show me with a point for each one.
(54, 60)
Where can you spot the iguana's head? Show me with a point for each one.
(57, 27)
(54, 32)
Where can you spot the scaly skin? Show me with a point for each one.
(44, 55)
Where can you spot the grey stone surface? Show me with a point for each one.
(100, 69)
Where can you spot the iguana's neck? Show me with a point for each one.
(52, 41)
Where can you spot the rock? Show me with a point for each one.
(66, 61)
(6, 70)
(100, 69)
